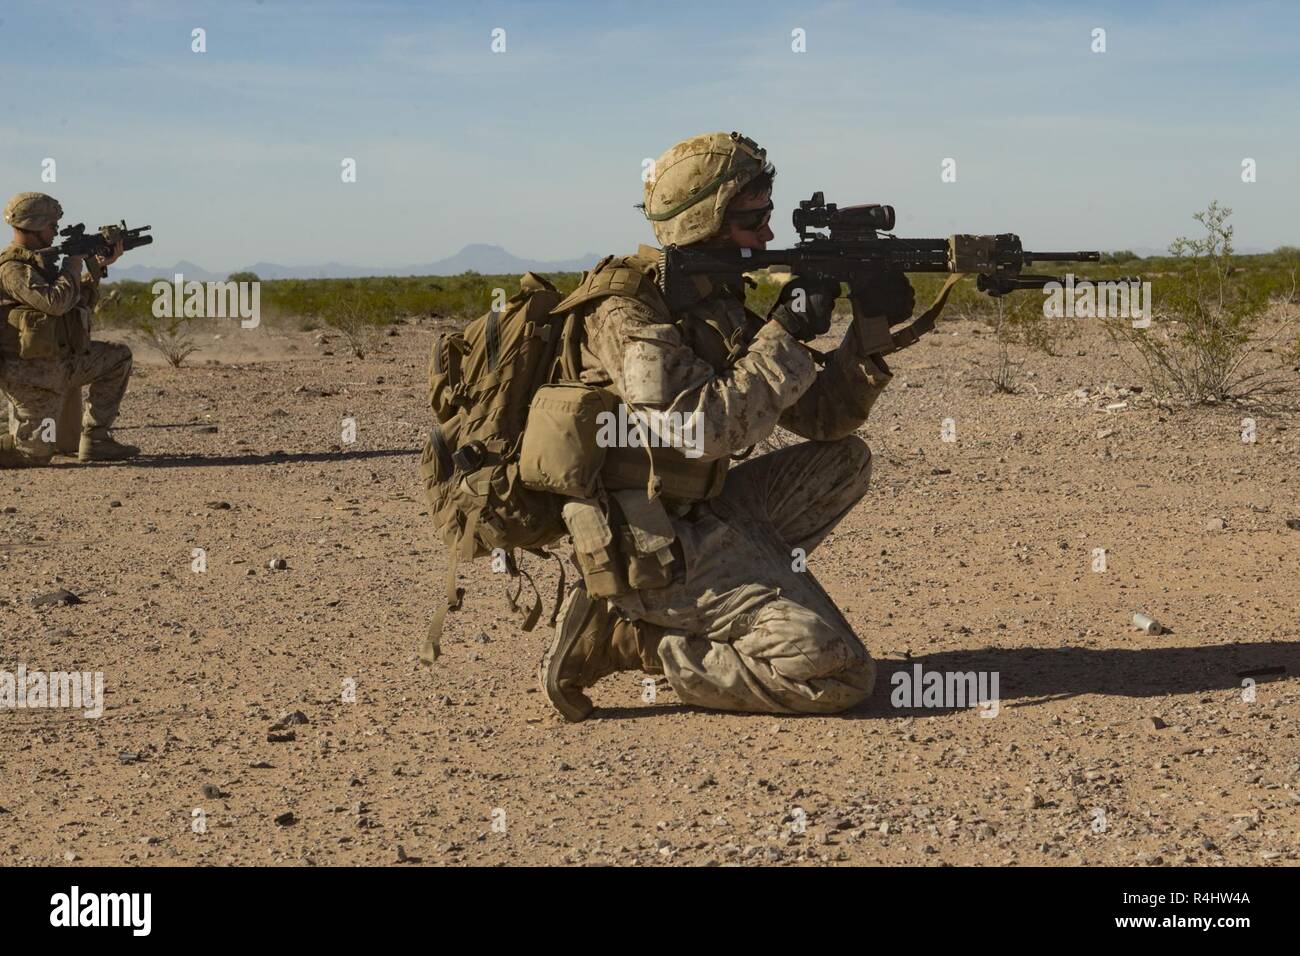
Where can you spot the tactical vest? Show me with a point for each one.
(676, 476)
(29, 333)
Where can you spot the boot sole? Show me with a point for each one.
(567, 632)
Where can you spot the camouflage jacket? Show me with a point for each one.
(31, 279)
(743, 375)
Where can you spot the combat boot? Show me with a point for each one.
(98, 445)
(593, 641)
(11, 456)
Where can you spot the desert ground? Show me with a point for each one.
(286, 706)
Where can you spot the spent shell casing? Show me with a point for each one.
(1148, 624)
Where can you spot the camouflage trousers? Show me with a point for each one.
(746, 630)
(37, 388)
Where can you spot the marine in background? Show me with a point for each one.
(46, 353)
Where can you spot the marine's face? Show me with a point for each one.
(47, 234)
(747, 219)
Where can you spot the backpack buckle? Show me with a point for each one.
(470, 457)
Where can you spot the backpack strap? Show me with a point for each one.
(459, 546)
(630, 276)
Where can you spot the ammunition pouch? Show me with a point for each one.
(559, 452)
(30, 334)
(593, 548)
(645, 536)
(624, 546)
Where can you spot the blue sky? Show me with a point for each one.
(234, 154)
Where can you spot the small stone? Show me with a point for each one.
(481, 638)
(60, 596)
(277, 564)
(284, 738)
(1154, 723)
(211, 791)
(219, 505)
(205, 429)
(1033, 801)
(115, 504)
(128, 757)
(295, 719)
(70, 856)
(1215, 524)
(286, 819)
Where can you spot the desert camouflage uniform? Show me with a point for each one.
(745, 630)
(37, 387)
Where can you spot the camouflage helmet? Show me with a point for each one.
(32, 211)
(687, 195)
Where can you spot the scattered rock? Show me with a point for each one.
(295, 719)
(219, 505)
(204, 429)
(1154, 723)
(481, 638)
(287, 737)
(286, 819)
(277, 564)
(211, 791)
(60, 597)
(1215, 524)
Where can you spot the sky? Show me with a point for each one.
(234, 155)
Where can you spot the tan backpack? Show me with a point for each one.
(489, 489)
(481, 382)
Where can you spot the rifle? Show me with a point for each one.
(78, 243)
(857, 247)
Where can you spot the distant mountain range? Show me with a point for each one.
(489, 260)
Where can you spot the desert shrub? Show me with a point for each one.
(355, 317)
(170, 337)
(1203, 346)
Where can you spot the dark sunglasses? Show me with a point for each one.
(751, 220)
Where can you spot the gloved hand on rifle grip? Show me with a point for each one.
(805, 306)
(886, 293)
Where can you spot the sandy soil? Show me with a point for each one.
(968, 555)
